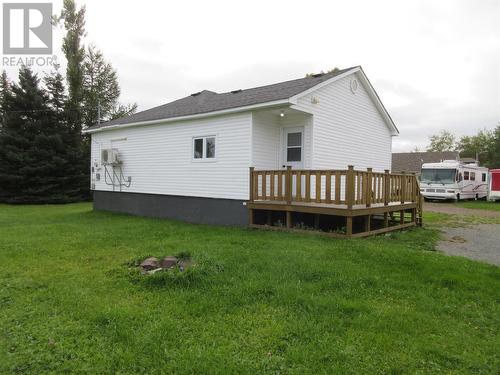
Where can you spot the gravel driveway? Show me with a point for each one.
(448, 208)
(479, 242)
(475, 241)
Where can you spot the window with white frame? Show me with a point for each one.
(204, 148)
(294, 147)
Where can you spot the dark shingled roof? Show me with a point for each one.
(412, 161)
(209, 101)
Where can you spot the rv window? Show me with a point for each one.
(459, 177)
(204, 148)
(484, 177)
(438, 176)
(473, 176)
(466, 175)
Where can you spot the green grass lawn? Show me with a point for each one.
(257, 301)
(482, 205)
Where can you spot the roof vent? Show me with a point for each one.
(196, 93)
(236, 91)
(316, 75)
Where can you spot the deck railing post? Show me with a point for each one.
(251, 184)
(349, 189)
(414, 187)
(288, 185)
(403, 187)
(420, 208)
(387, 187)
(368, 187)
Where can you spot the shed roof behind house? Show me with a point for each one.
(412, 161)
(468, 160)
(208, 101)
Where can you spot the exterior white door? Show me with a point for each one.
(293, 147)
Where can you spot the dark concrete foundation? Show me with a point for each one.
(211, 211)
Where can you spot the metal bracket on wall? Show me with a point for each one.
(116, 178)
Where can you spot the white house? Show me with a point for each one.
(189, 159)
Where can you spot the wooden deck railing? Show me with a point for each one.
(337, 187)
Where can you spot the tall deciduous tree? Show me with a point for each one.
(73, 20)
(101, 90)
(74, 24)
(480, 147)
(484, 146)
(122, 110)
(496, 149)
(444, 141)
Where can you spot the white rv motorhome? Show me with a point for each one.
(452, 179)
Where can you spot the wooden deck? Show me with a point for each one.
(340, 203)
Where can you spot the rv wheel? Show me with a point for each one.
(477, 197)
(458, 197)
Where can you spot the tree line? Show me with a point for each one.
(484, 146)
(44, 157)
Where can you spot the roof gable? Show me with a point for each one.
(369, 88)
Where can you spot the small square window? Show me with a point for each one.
(473, 176)
(484, 177)
(204, 148)
(466, 176)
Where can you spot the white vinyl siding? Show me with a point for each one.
(265, 140)
(159, 158)
(348, 128)
(268, 142)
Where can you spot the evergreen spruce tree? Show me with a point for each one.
(33, 153)
(43, 155)
(74, 177)
(4, 93)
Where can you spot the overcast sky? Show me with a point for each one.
(435, 64)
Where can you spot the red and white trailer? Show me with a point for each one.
(494, 185)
